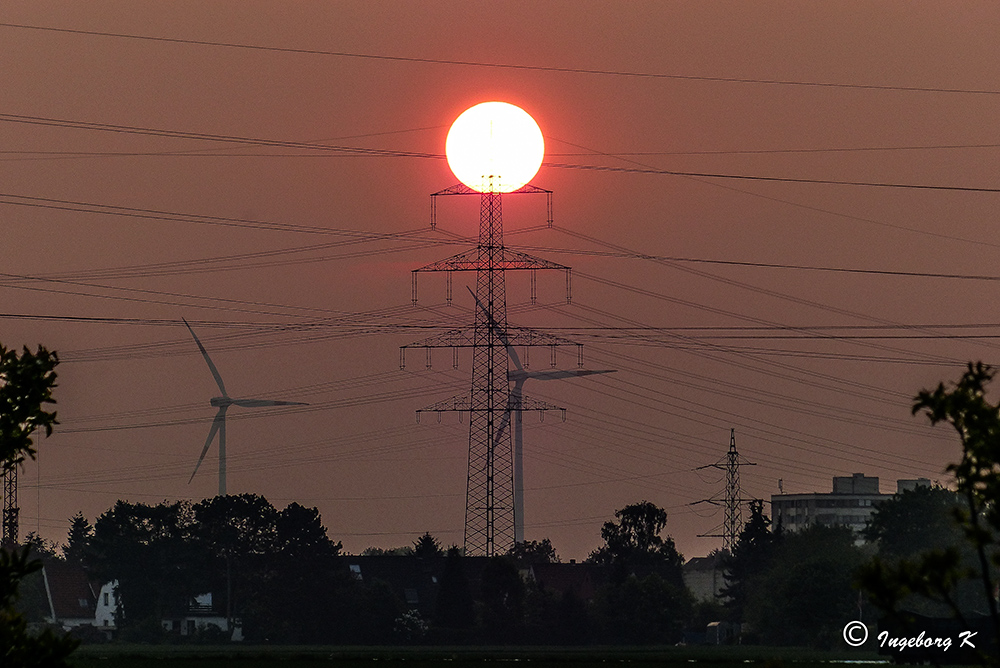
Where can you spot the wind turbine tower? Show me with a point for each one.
(515, 407)
(219, 423)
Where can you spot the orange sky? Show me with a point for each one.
(286, 317)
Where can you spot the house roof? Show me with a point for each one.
(70, 593)
(581, 579)
(709, 563)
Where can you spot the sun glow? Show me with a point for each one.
(494, 146)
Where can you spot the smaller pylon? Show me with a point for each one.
(734, 516)
(732, 526)
(10, 509)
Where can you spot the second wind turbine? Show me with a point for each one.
(219, 423)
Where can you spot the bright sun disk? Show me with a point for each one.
(494, 145)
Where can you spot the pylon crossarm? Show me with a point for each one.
(457, 403)
(507, 260)
(528, 404)
(516, 336)
(462, 189)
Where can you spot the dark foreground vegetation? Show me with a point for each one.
(121, 656)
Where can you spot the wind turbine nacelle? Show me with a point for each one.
(221, 402)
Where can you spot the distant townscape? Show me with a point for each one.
(236, 569)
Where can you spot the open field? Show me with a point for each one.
(139, 656)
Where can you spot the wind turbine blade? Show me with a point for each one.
(257, 403)
(500, 332)
(220, 417)
(568, 373)
(498, 434)
(211, 365)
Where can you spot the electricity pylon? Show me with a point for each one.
(489, 502)
(732, 526)
(10, 509)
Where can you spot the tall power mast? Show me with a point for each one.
(732, 525)
(489, 504)
(10, 509)
(734, 517)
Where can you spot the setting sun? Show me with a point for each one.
(494, 142)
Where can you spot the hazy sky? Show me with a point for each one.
(146, 180)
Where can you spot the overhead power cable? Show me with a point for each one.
(798, 205)
(28, 155)
(777, 179)
(509, 66)
(105, 127)
(762, 265)
(356, 236)
(200, 136)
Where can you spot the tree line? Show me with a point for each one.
(279, 573)
(286, 581)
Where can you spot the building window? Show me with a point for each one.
(106, 598)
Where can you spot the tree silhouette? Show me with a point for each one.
(502, 592)
(633, 545)
(26, 384)
(455, 608)
(935, 574)
(906, 524)
(152, 553)
(805, 594)
(427, 547)
(750, 560)
(78, 540)
(301, 536)
(240, 534)
(531, 552)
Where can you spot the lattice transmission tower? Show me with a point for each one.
(732, 525)
(11, 511)
(490, 497)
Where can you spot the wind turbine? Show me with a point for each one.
(219, 423)
(519, 376)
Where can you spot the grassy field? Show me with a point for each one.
(164, 656)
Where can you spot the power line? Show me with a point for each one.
(200, 136)
(175, 134)
(210, 153)
(777, 179)
(764, 151)
(510, 66)
(766, 265)
(360, 236)
(798, 205)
